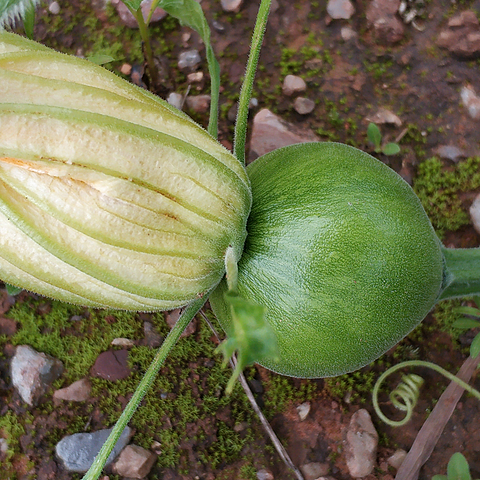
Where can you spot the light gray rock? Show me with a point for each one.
(78, 451)
(175, 99)
(397, 458)
(264, 474)
(199, 103)
(314, 470)
(33, 372)
(54, 8)
(293, 84)
(134, 462)
(450, 152)
(471, 101)
(189, 59)
(340, 9)
(462, 37)
(475, 213)
(3, 447)
(270, 132)
(348, 33)
(231, 5)
(123, 342)
(303, 410)
(78, 391)
(361, 444)
(303, 105)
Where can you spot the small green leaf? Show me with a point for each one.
(100, 58)
(11, 290)
(391, 149)
(466, 323)
(29, 20)
(251, 337)
(132, 5)
(457, 468)
(475, 347)
(474, 312)
(374, 135)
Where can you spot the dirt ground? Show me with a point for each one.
(349, 80)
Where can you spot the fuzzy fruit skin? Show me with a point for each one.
(342, 254)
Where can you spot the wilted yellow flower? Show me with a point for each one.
(109, 196)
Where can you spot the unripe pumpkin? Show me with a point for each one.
(109, 196)
(342, 255)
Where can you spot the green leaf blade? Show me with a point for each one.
(374, 135)
(475, 347)
(391, 149)
(458, 468)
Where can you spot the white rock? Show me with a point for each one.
(126, 69)
(340, 9)
(176, 100)
(78, 391)
(303, 410)
(231, 5)
(54, 8)
(303, 105)
(198, 103)
(33, 372)
(3, 446)
(195, 77)
(314, 470)
(123, 342)
(475, 213)
(270, 132)
(361, 444)
(293, 84)
(348, 33)
(134, 462)
(397, 458)
(264, 474)
(471, 102)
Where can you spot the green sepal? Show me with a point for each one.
(466, 323)
(475, 312)
(250, 336)
(100, 59)
(12, 290)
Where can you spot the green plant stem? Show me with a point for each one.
(143, 28)
(463, 272)
(411, 405)
(185, 318)
(247, 86)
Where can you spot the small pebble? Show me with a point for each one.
(264, 474)
(397, 458)
(293, 84)
(303, 410)
(176, 100)
(126, 69)
(54, 8)
(189, 59)
(231, 5)
(195, 77)
(303, 106)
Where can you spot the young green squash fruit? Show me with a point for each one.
(342, 255)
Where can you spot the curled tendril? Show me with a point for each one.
(405, 396)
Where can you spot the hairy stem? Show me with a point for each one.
(247, 86)
(185, 318)
(462, 268)
(143, 28)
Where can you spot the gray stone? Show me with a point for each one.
(471, 101)
(134, 462)
(78, 391)
(450, 152)
(293, 84)
(77, 452)
(303, 410)
(189, 59)
(340, 9)
(264, 474)
(397, 458)
(382, 16)
(122, 342)
(361, 444)
(3, 447)
(129, 20)
(270, 132)
(176, 100)
(199, 103)
(348, 33)
(33, 373)
(54, 8)
(314, 470)
(231, 5)
(475, 213)
(303, 105)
